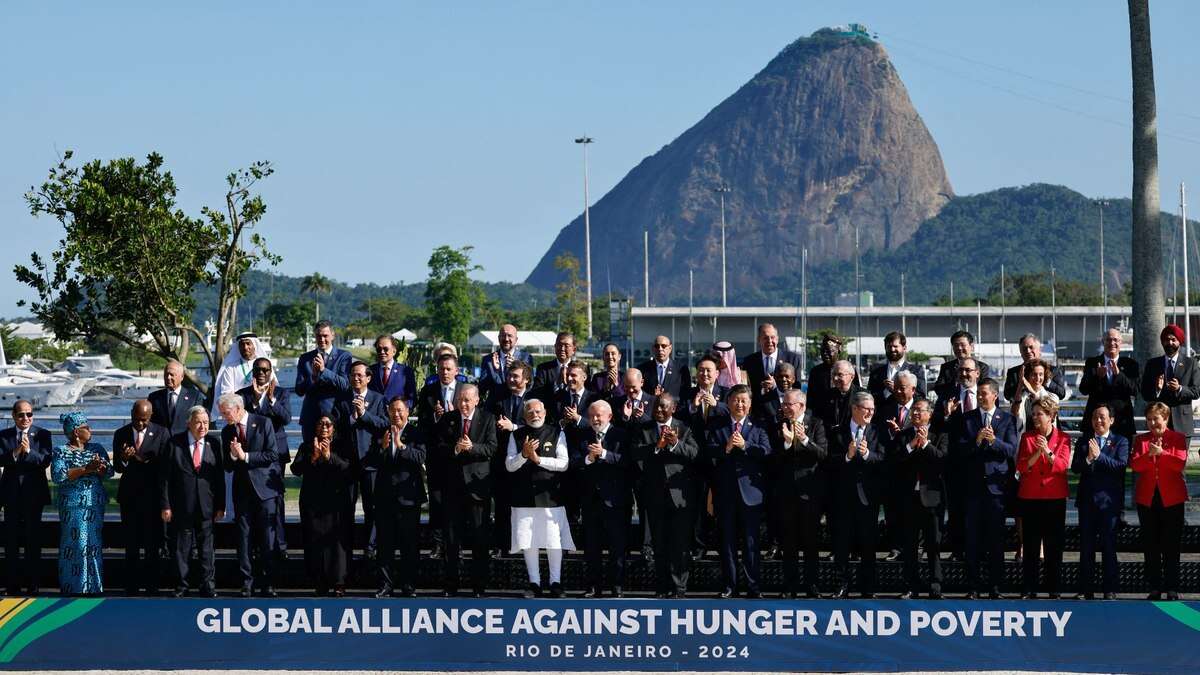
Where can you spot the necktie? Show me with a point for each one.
(768, 365)
(137, 441)
(575, 401)
(987, 419)
(466, 427)
(737, 427)
(662, 373)
(172, 398)
(197, 454)
(446, 397)
(1169, 371)
(241, 433)
(600, 438)
(387, 375)
(903, 414)
(968, 401)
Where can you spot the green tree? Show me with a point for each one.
(130, 259)
(316, 285)
(450, 295)
(287, 322)
(15, 348)
(572, 305)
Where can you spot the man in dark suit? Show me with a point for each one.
(360, 416)
(192, 496)
(839, 398)
(702, 403)
(170, 405)
(820, 378)
(1100, 460)
(915, 457)
(798, 447)
(962, 346)
(601, 460)
(634, 408)
(738, 450)
(1174, 380)
(397, 459)
(509, 411)
(663, 373)
(986, 441)
(857, 452)
(953, 400)
(550, 377)
(893, 416)
(249, 454)
(1031, 349)
(137, 449)
(766, 409)
(433, 402)
(390, 378)
(664, 453)
(1111, 380)
(265, 397)
(760, 366)
(493, 376)
(882, 380)
(466, 443)
(25, 453)
(321, 375)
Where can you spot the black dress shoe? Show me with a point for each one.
(1029, 596)
(907, 595)
(1084, 596)
(788, 595)
(753, 594)
(178, 592)
(449, 593)
(679, 595)
(772, 554)
(618, 592)
(972, 595)
(1172, 595)
(842, 593)
(813, 593)
(725, 594)
(339, 591)
(1054, 596)
(556, 590)
(268, 592)
(208, 593)
(591, 592)
(478, 594)
(994, 595)
(935, 595)
(1155, 596)
(246, 592)
(383, 592)
(532, 591)
(1110, 596)
(892, 556)
(867, 595)
(697, 554)
(662, 595)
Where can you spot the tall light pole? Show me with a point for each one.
(1187, 298)
(1103, 284)
(722, 190)
(857, 307)
(587, 232)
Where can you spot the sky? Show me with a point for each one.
(397, 127)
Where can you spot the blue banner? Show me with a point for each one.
(510, 634)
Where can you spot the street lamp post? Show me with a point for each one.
(1103, 284)
(722, 190)
(587, 232)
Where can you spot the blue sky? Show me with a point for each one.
(396, 127)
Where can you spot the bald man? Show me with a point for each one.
(136, 449)
(494, 369)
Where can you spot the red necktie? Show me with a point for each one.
(466, 427)
(137, 441)
(902, 414)
(197, 454)
(737, 427)
(968, 401)
(241, 433)
(387, 375)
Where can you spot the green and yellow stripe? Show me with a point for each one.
(23, 620)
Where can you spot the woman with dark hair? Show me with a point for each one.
(326, 507)
(1043, 457)
(1031, 388)
(1158, 458)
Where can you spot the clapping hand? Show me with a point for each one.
(1159, 381)
(529, 450)
(951, 406)
(23, 447)
(862, 447)
(735, 441)
(463, 445)
(789, 432)
(96, 465)
(893, 426)
(505, 424)
(1093, 449)
(658, 390)
(1156, 446)
(571, 414)
(438, 410)
(1173, 385)
(360, 405)
(922, 437)
(128, 453)
(595, 449)
(768, 383)
(669, 436)
(612, 378)
(236, 451)
(318, 364)
(889, 384)
(985, 435)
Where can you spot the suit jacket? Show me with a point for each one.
(399, 475)
(139, 479)
(23, 484)
(797, 470)
(678, 377)
(160, 413)
(1162, 474)
(1054, 385)
(878, 375)
(948, 372)
(1118, 394)
(547, 379)
(402, 382)
(1180, 402)
(492, 377)
(919, 468)
(820, 387)
(836, 411)
(988, 466)
(511, 406)
(606, 479)
(321, 391)
(753, 365)
(325, 486)
(280, 414)
(688, 412)
(359, 433)
(467, 473)
(741, 473)
(636, 419)
(1101, 483)
(191, 494)
(427, 400)
(560, 402)
(257, 478)
(859, 480)
(600, 384)
(766, 410)
(666, 477)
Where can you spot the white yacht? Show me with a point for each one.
(41, 389)
(109, 379)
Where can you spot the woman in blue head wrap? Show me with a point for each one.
(79, 468)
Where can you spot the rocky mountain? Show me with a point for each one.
(823, 138)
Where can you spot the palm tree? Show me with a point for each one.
(1148, 307)
(316, 284)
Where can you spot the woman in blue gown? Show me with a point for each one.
(79, 468)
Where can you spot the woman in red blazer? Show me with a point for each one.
(1158, 458)
(1043, 458)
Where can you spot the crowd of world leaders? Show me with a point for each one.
(715, 453)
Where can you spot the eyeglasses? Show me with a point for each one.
(20, 415)
(966, 370)
(262, 370)
(325, 424)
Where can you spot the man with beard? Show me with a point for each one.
(882, 380)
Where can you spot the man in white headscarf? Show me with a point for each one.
(729, 375)
(237, 370)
